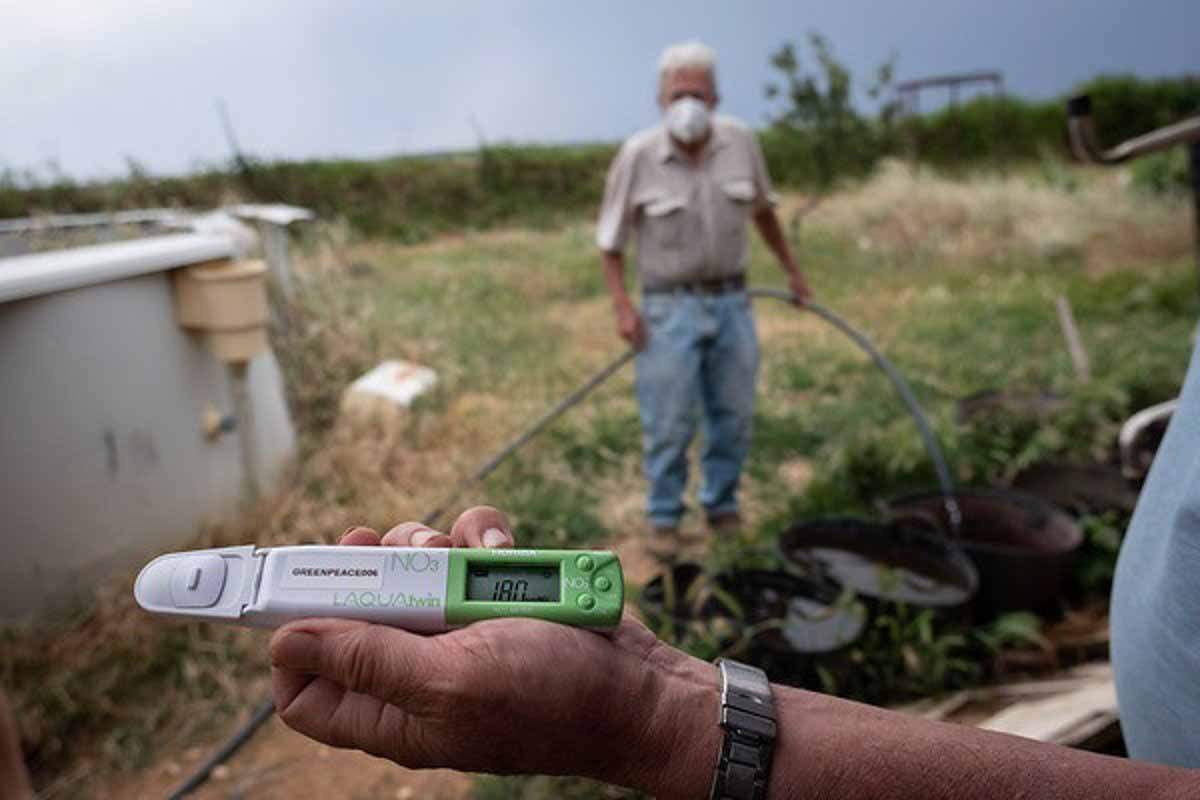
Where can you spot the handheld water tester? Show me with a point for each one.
(419, 589)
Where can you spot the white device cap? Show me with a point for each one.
(200, 583)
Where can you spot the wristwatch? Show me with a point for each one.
(748, 719)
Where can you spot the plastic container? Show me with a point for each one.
(227, 302)
(1021, 545)
(785, 613)
(899, 563)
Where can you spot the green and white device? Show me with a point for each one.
(419, 589)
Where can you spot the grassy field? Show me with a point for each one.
(954, 280)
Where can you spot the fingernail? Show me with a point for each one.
(420, 538)
(343, 536)
(494, 537)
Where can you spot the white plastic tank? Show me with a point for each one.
(104, 396)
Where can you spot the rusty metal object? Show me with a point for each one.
(1084, 144)
(1078, 488)
(1020, 544)
(1082, 132)
(889, 562)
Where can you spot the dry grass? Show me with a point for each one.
(109, 689)
(1069, 215)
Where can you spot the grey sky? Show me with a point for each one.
(88, 82)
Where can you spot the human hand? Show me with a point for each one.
(630, 326)
(503, 696)
(799, 286)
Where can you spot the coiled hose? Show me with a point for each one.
(265, 709)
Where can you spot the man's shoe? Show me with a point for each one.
(728, 522)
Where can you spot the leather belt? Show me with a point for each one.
(709, 287)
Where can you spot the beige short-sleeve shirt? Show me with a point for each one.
(688, 220)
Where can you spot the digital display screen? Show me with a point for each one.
(512, 584)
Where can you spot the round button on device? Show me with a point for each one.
(584, 563)
(586, 602)
(603, 584)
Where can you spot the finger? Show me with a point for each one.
(415, 534)
(327, 712)
(358, 535)
(286, 685)
(386, 663)
(482, 526)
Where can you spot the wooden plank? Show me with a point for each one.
(1060, 718)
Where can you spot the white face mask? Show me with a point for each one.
(688, 120)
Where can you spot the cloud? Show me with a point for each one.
(88, 82)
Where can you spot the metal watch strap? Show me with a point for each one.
(748, 719)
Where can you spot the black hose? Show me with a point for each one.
(486, 468)
(267, 707)
(234, 743)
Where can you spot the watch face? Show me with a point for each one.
(745, 678)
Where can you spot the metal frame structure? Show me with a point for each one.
(909, 92)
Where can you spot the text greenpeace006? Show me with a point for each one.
(385, 600)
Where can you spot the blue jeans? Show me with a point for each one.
(701, 356)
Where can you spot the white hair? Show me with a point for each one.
(687, 55)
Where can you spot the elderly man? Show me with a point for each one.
(685, 189)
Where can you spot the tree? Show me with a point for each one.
(819, 115)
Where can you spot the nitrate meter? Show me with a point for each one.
(419, 589)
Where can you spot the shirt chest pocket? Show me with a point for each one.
(733, 204)
(664, 220)
(738, 192)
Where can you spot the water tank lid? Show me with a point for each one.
(60, 270)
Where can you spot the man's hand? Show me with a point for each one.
(799, 287)
(502, 696)
(630, 326)
(629, 322)
(768, 227)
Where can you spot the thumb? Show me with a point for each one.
(386, 663)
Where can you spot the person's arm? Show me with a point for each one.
(527, 696)
(612, 232)
(768, 225)
(629, 322)
(834, 748)
(772, 233)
